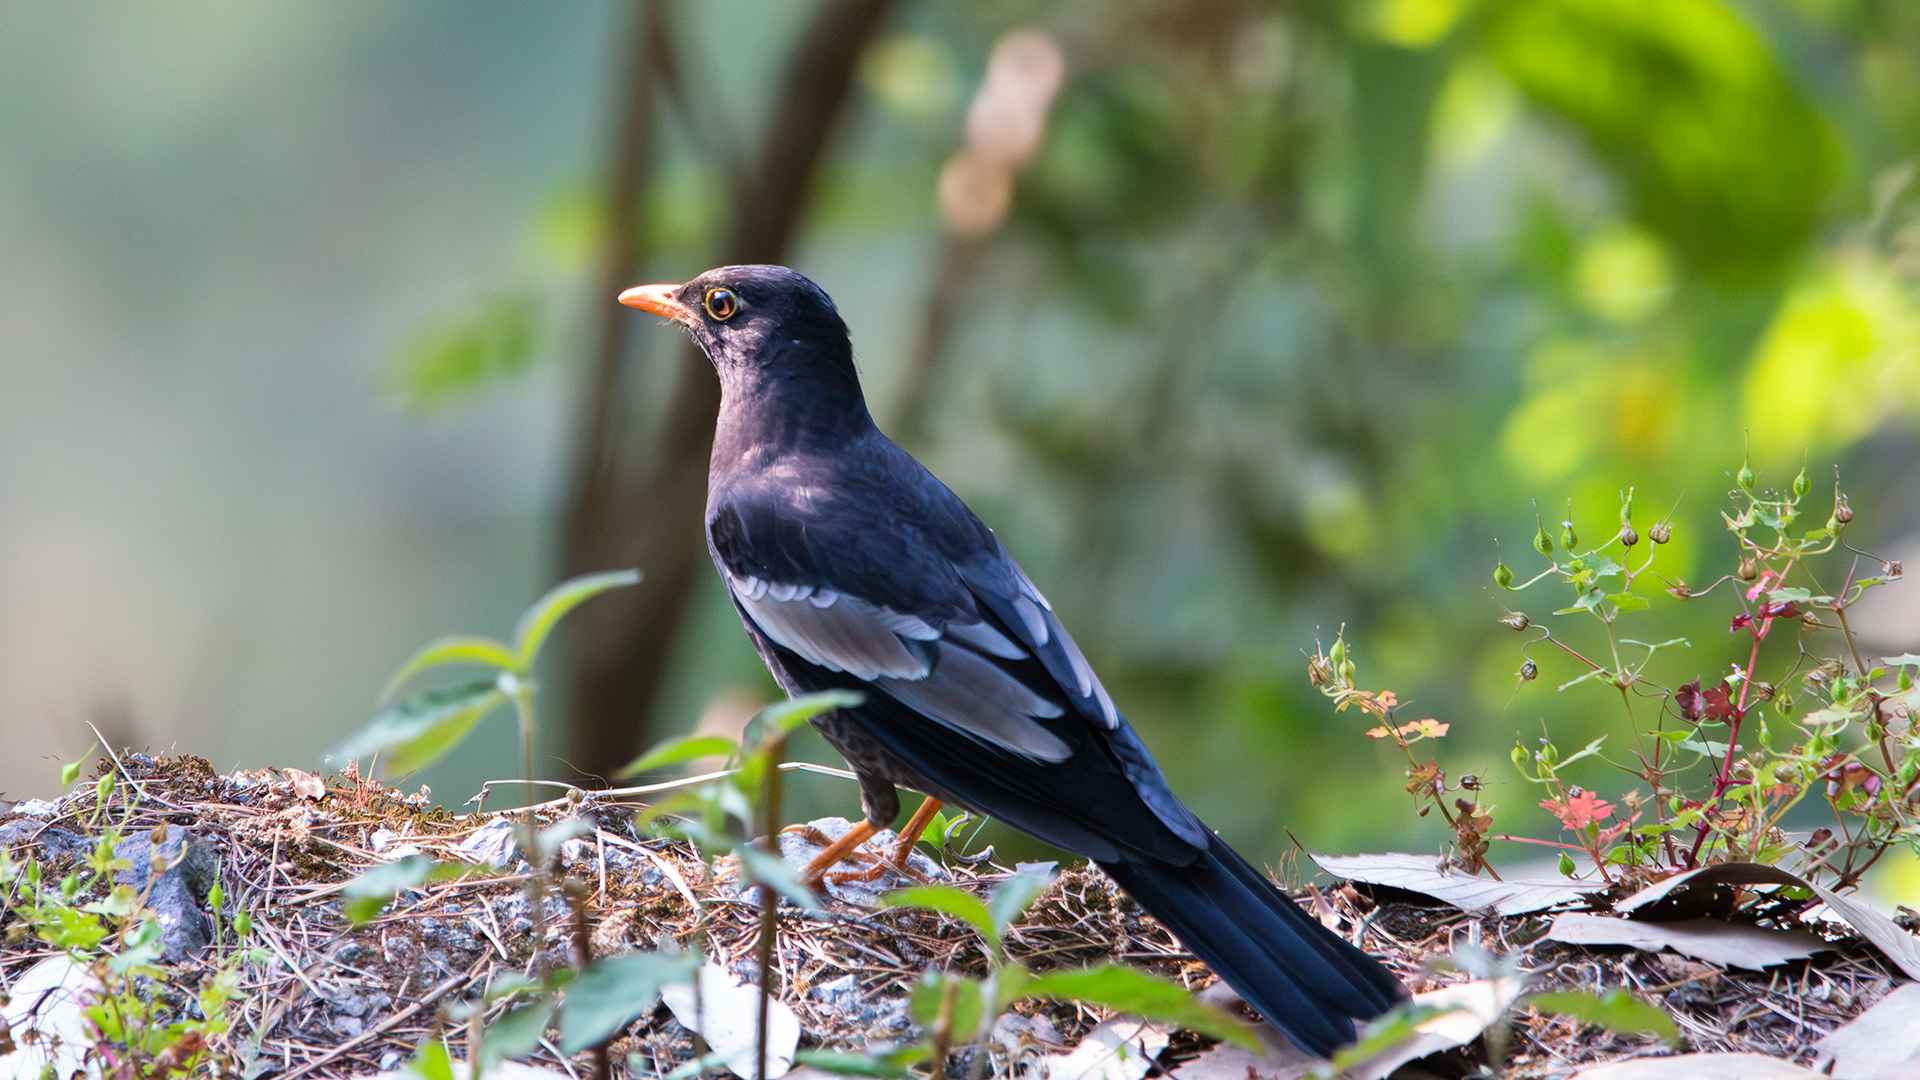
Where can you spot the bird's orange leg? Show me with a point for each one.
(902, 847)
(815, 872)
(910, 835)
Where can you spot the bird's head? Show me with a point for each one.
(756, 320)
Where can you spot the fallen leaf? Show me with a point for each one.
(45, 1013)
(1724, 943)
(1882, 1043)
(1122, 1048)
(307, 784)
(1701, 1067)
(1225, 1061)
(1900, 947)
(1467, 1009)
(728, 1017)
(1423, 874)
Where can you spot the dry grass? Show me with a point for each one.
(341, 1001)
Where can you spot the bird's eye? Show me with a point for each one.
(721, 304)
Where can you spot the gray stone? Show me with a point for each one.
(178, 894)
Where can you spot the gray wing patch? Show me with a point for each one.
(971, 694)
(837, 632)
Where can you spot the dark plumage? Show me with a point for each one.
(853, 567)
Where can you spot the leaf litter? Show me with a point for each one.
(331, 1000)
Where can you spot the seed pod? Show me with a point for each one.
(1319, 672)
(1680, 591)
(1628, 537)
(1502, 576)
(1470, 782)
(1749, 569)
(1800, 483)
(1744, 477)
(1529, 670)
(1516, 619)
(1660, 533)
(1567, 537)
(1842, 513)
(1893, 569)
(1762, 690)
(1542, 543)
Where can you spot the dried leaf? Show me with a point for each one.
(1884, 1041)
(45, 1012)
(1724, 943)
(1899, 946)
(1424, 874)
(728, 1017)
(306, 784)
(1701, 1067)
(1465, 1010)
(1122, 1048)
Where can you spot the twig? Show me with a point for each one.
(431, 997)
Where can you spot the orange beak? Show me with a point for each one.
(660, 300)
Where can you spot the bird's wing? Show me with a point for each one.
(958, 636)
(933, 652)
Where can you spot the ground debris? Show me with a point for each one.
(329, 1000)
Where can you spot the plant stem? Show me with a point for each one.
(769, 900)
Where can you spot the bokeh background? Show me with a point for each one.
(1240, 321)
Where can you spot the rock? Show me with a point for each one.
(178, 894)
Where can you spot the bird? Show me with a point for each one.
(853, 568)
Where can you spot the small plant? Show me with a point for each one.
(106, 929)
(1724, 760)
(416, 731)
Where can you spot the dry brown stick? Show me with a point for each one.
(431, 997)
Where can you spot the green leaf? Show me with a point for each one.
(1614, 1009)
(1377, 1036)
(678, 751)
(1629, 601)
(547, 842)
(949, 900)
(613, 991)
(459, 649)
(969, 1006)
(539, 619)
(369, 892)
(1011, 897)
(431, 1062)
(768, 869)
(892, 1065)
(782, 717)
(1115, 986)
(515, 1033)
(416, 732)
(449, 359)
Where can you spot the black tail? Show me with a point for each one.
(1300, 975)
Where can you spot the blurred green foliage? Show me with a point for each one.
(1303, 309)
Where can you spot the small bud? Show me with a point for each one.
(1542, 543)
(1529, 671)
(1800, 483)
(1680, 590)
(1762, 691)
(1470, 782)
(1502, 576)
(1516, 619)
(1319, 672)
(1660, 533)
(1567, 537)
(1842, 513)
(1744, 477)
(1749, 570)
(1628, 537)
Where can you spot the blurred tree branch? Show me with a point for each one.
(647, 513)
